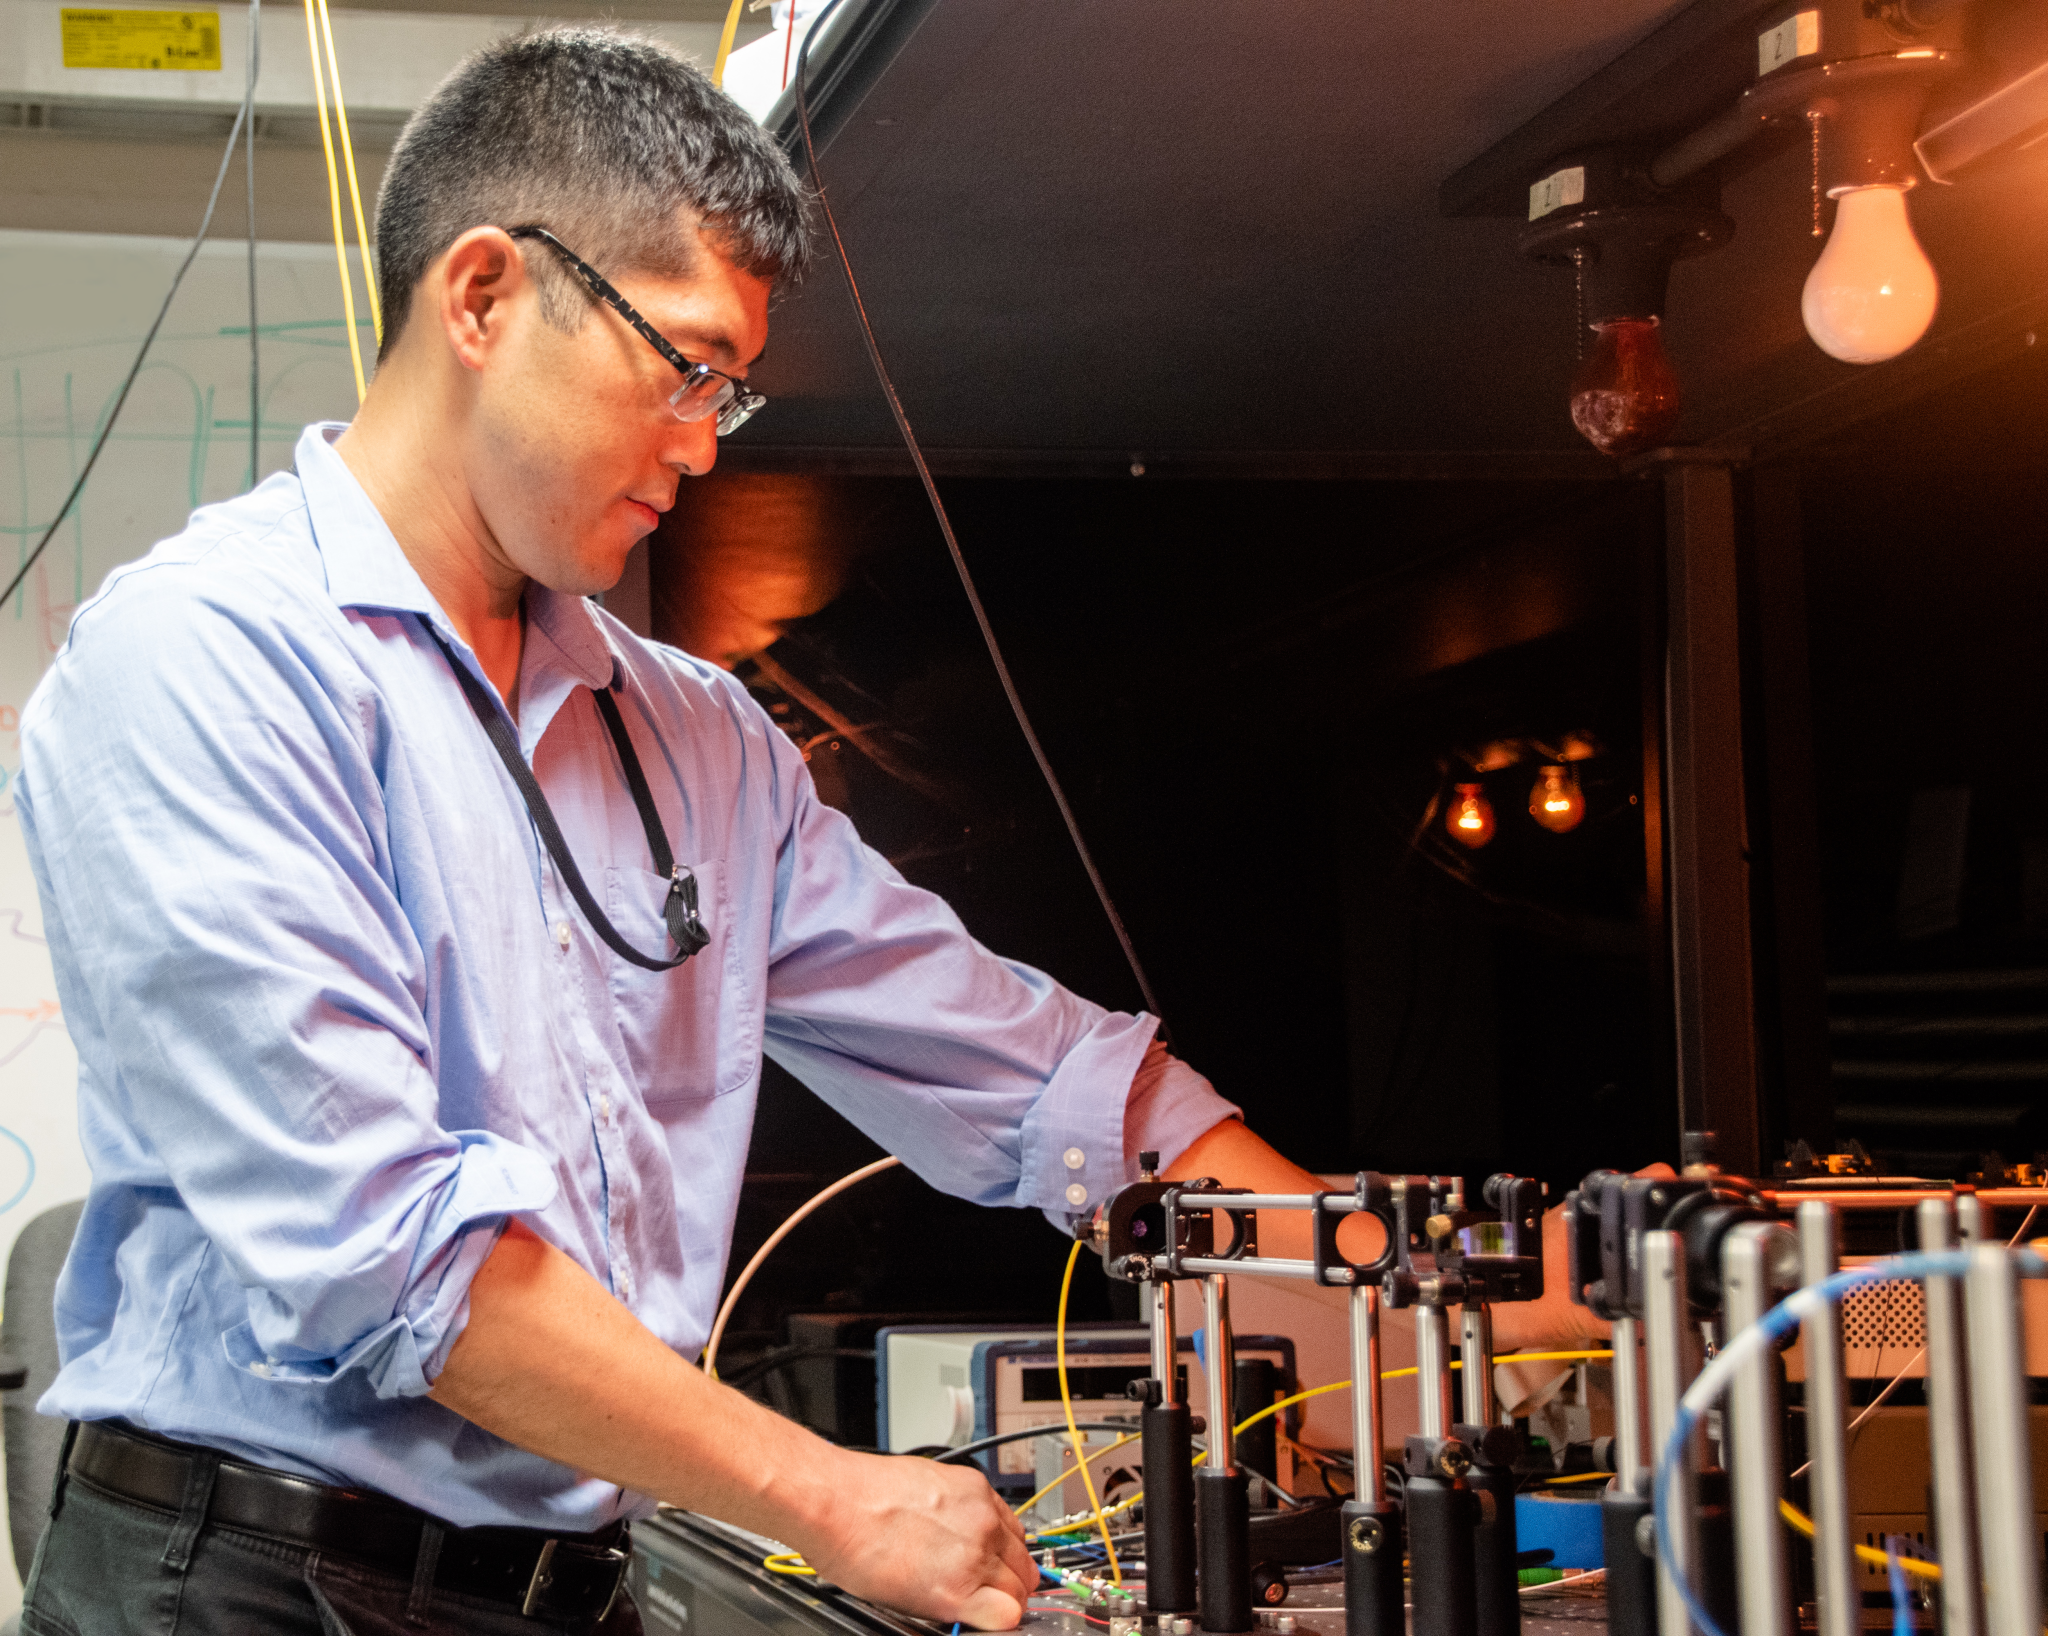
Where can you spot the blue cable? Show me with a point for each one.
(1902, 1598)
(1775, 1325)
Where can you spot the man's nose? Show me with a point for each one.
(693, 450)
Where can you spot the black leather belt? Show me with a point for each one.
(563, 1576)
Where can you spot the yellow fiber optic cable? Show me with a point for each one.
(725, 39)
(1345, 1386)
(348, 161)
(1398, 1374)
(1865, 1553)
(348, 294)
(1108, 1511)
(1129, 1437)
(1073, 1432)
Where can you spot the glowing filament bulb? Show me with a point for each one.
(1625, 395)
(1873, 292)
(1471, 817)
(1557, 803)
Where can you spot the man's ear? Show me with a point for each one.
(474, 282)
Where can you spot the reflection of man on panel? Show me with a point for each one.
(372, 854)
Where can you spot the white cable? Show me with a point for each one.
(733, 1295)
(1913, 1362)
(1776, 1324)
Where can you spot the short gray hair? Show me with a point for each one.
(601, 137)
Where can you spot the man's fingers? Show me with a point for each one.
(991, 1609)
(1018, 1559)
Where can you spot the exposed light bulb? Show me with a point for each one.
(1625, 394)
(1873, 292)
(1471, 817)
(1557, 802)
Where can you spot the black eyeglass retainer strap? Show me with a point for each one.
(679, 912)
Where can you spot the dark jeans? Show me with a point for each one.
(101, 1570)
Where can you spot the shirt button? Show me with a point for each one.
(1077, 1195)
(1075, 1158)
(562, 935)
(604, 1108)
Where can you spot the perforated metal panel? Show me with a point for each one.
(1890, 1316)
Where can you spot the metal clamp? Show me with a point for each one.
(1190, 1211)
(1332, 1266)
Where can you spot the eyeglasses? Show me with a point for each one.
(705, 391)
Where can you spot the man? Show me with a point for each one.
(414, 1149)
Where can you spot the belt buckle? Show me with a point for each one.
(543, 1578)
(621, 1561)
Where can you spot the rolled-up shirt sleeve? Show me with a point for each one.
(1170, 1105)
(985, 1076)
(263, 1008)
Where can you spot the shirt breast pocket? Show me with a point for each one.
(692, 1032)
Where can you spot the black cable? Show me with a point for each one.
(249, 151)
(967, 1451)
(783, 1356)
(931, 489)
(114, 414)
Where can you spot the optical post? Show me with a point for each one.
(1670, 1261)
(1461, 1473)
(1155, 1234)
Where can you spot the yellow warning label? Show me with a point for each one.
(141, 39)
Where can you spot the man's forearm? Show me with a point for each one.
(551, 1362)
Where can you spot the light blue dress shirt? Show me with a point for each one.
(337, 1017)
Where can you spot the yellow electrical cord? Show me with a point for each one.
(348, 161)
(725, 39)
(1019, 1510)
(348, 294)
(788, 1562)
(1067, 1407)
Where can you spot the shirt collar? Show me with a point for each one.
(366, 567)
(571, 624)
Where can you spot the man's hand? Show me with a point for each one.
(550, 1362)
(928, 1539)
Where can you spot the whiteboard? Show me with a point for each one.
(73, 309)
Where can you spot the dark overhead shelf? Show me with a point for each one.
(1089, 233)
(1672, 82)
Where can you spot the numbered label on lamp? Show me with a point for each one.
(1797, 36)
(1555, 191)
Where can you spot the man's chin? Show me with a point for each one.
(590, 574)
